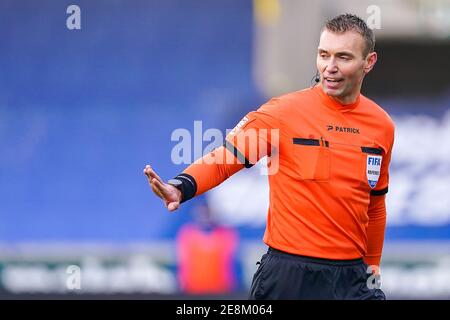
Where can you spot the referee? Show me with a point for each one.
(332, 149)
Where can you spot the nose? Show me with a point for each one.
(331, 67)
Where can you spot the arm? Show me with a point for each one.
(211, 170)
(204, 174)
(201, 176)
(377, 208)
(375, 229)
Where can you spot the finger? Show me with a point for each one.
(160, 186)
(173, 206)
(154, 188)
(150, 173)
(156, 191)
(149, 179)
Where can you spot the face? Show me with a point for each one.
(342, 64)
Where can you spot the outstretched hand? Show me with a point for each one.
(170, 195)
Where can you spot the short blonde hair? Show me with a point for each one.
(346, 22)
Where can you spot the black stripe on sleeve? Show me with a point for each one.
(379, 192)
(310, 142)
(237, 154)
(306, 142)
(372, 150)
(188, 186)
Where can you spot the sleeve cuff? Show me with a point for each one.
(188, 186)
(379, 192)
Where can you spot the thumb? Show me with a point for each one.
(172, 206)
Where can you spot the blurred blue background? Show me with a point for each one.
(83, 111)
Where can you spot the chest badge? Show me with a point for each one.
(373, 167)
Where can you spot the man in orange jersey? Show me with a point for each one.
(327, 213)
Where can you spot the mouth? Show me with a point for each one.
(332, 83)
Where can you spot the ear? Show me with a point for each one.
(370, 62)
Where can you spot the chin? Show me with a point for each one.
(335, 93)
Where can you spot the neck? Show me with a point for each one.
(349, 98)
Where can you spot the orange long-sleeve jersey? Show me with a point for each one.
(328, 172)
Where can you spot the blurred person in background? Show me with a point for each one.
(206, 253)
(327, 213)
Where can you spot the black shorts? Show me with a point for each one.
(283, 275)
